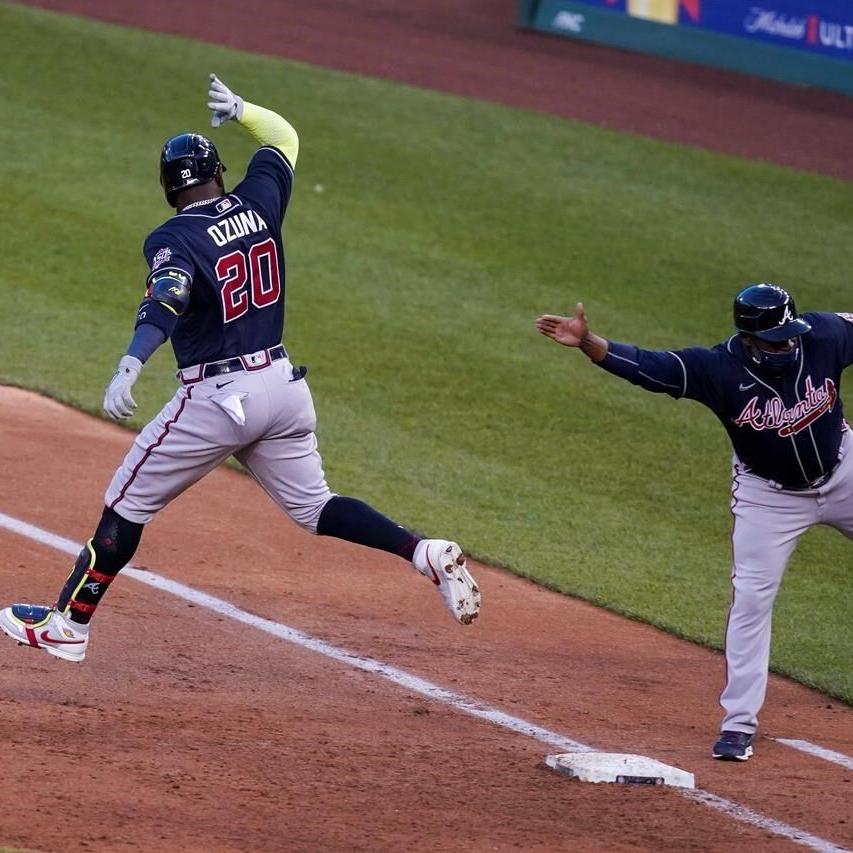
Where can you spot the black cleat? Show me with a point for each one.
(733, 746)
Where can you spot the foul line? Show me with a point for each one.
(411, 682)
(819, 751)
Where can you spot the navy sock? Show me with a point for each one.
(103, 557)
(355, 521)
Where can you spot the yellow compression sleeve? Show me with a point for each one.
(270, 128)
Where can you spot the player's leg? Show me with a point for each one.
(287, 465)
(63, 630)
(439, 560)
(187, 439)
(767, 524)
(109, 550)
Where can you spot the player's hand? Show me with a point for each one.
(118, 402)
(568, 331)
(222, 102)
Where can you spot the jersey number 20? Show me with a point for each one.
(248, 275)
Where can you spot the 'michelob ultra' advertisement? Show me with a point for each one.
(817, 26)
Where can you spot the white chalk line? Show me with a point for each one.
(818, 751)
(411, 682)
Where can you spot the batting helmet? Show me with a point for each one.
(766, 311)
(187, 160)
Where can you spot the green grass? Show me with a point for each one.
(444, 226)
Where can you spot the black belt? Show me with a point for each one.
(814, 484)
(253, 361)
(824, 478)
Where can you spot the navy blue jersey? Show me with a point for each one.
(787, 428)
(231, 250)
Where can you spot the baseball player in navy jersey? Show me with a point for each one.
(216, 289)
(774, 385)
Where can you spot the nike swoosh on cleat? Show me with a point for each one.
(435, 578)
(46, 638)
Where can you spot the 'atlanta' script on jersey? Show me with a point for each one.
(790, 421)
(236, 226)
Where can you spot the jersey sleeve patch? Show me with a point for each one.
(163, 250)
(161, 256)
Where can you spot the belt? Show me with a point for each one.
(252, 361)
(815, 484)
(823, 479)
(807, 487)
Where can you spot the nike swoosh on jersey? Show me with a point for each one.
(741, 386)
(223, 384)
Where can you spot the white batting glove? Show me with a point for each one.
(118, 402)
(222, 102)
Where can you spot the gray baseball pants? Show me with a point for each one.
(768, 521)
(263, 417)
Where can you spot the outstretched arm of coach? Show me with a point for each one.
(679, 373)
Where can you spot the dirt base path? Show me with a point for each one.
(187, 730)
(473, 48)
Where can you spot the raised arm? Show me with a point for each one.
(267, 127)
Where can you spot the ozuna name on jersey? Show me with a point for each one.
(790, 421)
(236, 226)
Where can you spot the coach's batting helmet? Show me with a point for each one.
(766, 311)
(187, 160)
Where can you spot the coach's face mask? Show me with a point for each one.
(776, 363)
(781, 361)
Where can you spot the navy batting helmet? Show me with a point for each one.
(766, 311)
(187, 160)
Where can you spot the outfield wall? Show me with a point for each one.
(797, 41)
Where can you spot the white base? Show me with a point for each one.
(619, 767)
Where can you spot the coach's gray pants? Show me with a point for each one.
(767, 524)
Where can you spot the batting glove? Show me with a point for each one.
(223, 103)
(118, 402)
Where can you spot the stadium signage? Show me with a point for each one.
(570, 22)
(774, 23)
(811, 29)
(798, 41)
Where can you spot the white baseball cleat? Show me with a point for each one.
(444, 564)
(45, 628)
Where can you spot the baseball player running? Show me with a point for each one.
(216, 288)
(774, 385)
